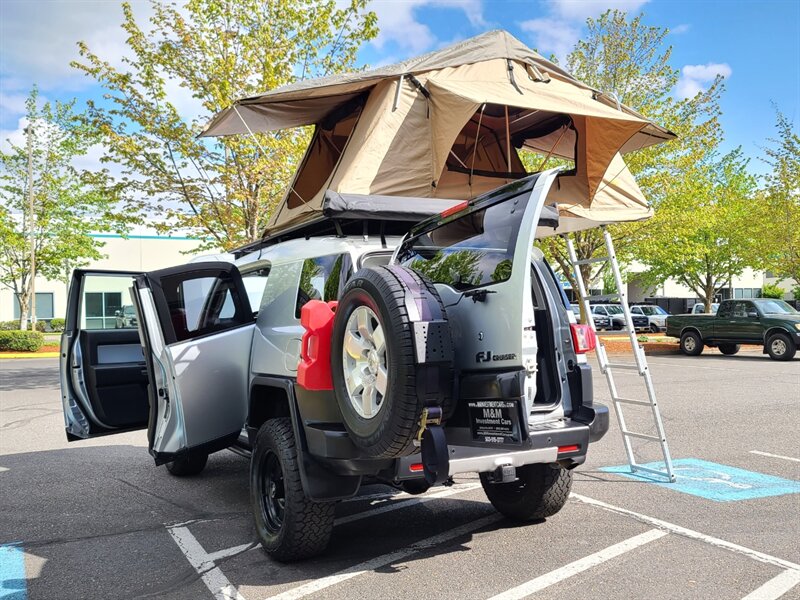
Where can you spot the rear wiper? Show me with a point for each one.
(478, 295)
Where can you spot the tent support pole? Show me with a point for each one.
(508, 143)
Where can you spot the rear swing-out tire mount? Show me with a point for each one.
(392, 366)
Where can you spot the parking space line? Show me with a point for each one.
(220, 554)
(203, 563)
(690, 533)
(412, 501)
(385, 559)
(578, 566)
(774, 455)
(775, 587)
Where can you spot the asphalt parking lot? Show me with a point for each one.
(97, 520)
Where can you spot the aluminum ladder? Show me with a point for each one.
(607, 367)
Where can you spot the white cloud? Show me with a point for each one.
(398, 23)
(559, 30)
(680, 29)
(695, 78)
(552, 35)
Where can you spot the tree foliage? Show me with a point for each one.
(704, 231)
(214, 51)
(69, 204)
(778, 227)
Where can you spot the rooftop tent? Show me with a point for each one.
(448, 124)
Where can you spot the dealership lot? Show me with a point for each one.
(97, 520)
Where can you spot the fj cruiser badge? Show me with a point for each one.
(489, 357)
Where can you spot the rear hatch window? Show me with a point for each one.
(469, 251)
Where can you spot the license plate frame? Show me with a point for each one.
(495, 421)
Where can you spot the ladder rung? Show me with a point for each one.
(631, 401)
(589, 261)
(643, 436)
(653, 471)
(627, 366)
(603, 297)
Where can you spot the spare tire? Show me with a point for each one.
(391, 356)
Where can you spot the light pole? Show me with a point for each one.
(31, 224)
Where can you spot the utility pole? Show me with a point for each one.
(31, 225)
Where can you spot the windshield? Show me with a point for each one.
(776, 307)
(614, 310)
(470, 251)
(653, 310)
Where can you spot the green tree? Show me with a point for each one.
(772, 290)
(216, 51)
(69, 204)
(705, 237)
(630, 59)
(777, 215)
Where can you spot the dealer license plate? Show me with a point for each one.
(494, 421)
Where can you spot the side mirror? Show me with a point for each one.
(751, 314)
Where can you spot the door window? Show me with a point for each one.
(106, 302)
(199, 303)
(740, 309)
(725, 310)
(320, 279)
(255, 282)
(599, 310)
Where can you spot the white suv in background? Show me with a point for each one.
(656, 315)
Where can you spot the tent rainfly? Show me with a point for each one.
(448, 125)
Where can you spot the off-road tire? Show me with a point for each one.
(191, 464)
(655, 328)
(774, 346)
(305, 528)
(540, 492)
(691, 343)
(729, 349)
(389, 433)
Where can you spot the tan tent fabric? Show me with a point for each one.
(448, 124)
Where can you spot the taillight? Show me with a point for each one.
(583, 338)
(454, 209)
(416, 468)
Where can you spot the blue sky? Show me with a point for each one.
(756, 45)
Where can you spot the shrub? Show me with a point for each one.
(21, 341)
(41, 326)
(770, 290)
(9, 325)
(796, 292)
(57, 324)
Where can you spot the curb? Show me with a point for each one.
(30, 355)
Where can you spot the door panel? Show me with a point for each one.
(198, 327)
(103, 377)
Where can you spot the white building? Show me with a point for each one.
(142, 252)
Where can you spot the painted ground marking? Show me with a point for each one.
(13, 585)
(713, 481)
(775, 587)
(774, 455)
(579, 566)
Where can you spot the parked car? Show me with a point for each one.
(763, 321)
(601, 322)
(656, 316)
(126, 317)
(614, 313)
(411, 380)
(700, 309)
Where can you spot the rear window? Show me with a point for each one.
(474, 250)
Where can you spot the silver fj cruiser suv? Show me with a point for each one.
(403, 345)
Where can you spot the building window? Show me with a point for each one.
(44, 307)
(101, 309)
(747, 292)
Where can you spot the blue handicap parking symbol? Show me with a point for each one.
(12, 573)
(714, 481)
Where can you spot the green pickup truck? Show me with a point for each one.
(771, 323)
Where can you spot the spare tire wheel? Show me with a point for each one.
(380, 386)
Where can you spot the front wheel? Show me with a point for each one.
(288, 524)
(691, 343)
(655, 328)
(781, 347)
(729, 349)
(540, 491)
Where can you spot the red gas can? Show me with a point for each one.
(314, 371)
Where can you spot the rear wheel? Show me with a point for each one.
(288, 524)
(540, 491)
(729, 349)
(191, 464)
(691, 343)
(781, 347)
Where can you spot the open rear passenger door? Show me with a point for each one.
(197, 329)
